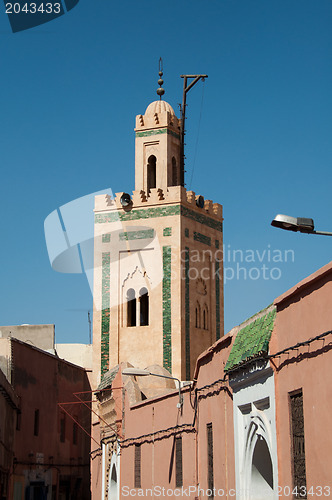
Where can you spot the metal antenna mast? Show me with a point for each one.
(186, 89)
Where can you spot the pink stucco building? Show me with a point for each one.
(302, 379)
(47, 454)
(253, 421)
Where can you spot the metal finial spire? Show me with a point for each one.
(160, 91)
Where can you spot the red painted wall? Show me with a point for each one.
(41, 381)
(303, 313)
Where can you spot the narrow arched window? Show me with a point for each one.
(144, 306)
(131, 307)
(198, 316)
(174, 173)
(151, 172)
(205, 318)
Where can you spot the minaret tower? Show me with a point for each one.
(158, 272)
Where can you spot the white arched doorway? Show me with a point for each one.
(113, 484)
(261, 471)
(258, 466)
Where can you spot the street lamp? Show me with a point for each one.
(136, 372)
(300, 224)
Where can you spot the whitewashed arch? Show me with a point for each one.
(259, 483)
(114, 478)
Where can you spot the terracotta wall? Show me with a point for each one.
(303, 313)
(155, 424)
(41, 381)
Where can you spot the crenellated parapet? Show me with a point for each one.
(172, 196)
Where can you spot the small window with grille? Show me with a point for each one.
(36, 423)
(298, 445)
(62, 428)
(209, 433)
(178, 462)
(137, 468)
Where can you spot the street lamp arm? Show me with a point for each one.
(301, 224)
(172, 378)
(136, 372)
(324, 233)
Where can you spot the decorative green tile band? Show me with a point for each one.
(106, 237)
(202, 238)
(158, 131)
(162, 211)
(105, 313)
(167, 231)
(251, 341)
(201, 218)
(167, 313)
(137, 235)
(217, 268)
(138, 214)
(187, 312)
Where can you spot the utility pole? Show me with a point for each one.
(186, 89)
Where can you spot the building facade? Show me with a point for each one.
(158, 290)
(302, 337)
(254, 421)
(50, 453)
(9, 407)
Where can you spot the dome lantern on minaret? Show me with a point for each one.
(158, 147)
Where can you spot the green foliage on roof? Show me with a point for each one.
(251, 341)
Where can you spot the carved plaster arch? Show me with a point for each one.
(142, 275)
(136, 279)
(259, 429)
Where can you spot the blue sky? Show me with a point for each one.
(259, 135)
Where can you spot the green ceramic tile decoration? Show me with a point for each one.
(162, 211)
(105, 313)
(167, 313)
(202, 238)
(138, 214)
(217, 268)
(201, 218)
(167, 231)
(148, 133)
(136, 235)
(187, 313)
(252, 341)
(106, 237)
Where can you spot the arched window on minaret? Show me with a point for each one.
(131, 307)
(152, 173)
(205, 317)
(144, 306)
(174, 173)
(198, 315)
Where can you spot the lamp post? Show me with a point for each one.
(300, 224)
(136, 372)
